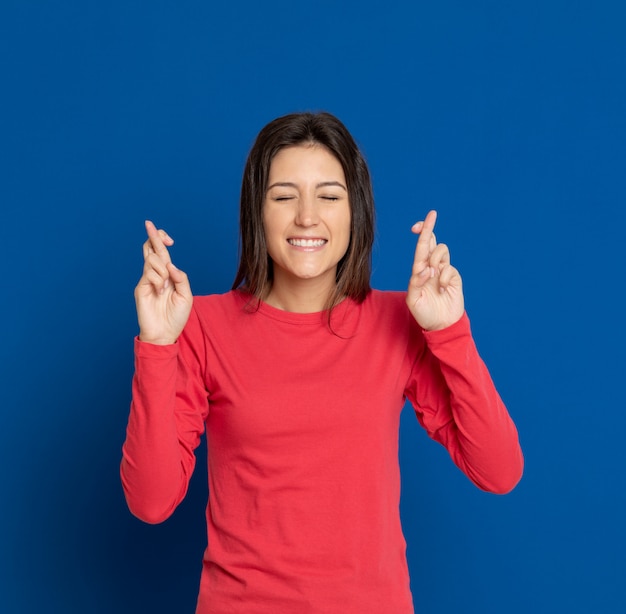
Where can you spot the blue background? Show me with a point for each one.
(507, 117)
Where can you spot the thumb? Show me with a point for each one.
(180, 280)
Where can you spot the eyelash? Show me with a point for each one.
(284, 198)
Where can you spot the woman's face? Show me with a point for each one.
(306, 215)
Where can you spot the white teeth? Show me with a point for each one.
(306, 242)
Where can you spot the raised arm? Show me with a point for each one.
(451, 389)
(164, 426)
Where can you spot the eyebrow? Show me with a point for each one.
(323, 184)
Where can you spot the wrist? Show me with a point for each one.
(156, 340)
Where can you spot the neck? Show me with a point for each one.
(299, 296)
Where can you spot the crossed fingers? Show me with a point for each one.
(430, 257)
(157, 257)
(156, 242)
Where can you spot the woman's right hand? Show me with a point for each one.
(163, 295)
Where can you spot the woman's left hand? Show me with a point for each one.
(435, 293)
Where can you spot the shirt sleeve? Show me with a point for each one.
(457, 403)
(168, 411)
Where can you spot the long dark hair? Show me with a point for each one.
(255, 271)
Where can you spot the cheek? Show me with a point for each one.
(269, 225)
(272, 230)
(346, 233)
(347, 224)
(274, 218)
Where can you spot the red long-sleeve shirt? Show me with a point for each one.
(302, 430)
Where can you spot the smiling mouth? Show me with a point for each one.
(307, 242)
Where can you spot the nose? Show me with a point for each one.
(307, 214)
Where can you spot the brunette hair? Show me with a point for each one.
(255, 266)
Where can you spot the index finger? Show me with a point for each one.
(156, 241)
(422, 249)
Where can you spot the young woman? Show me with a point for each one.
(298, 376)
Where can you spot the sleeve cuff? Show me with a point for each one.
(150, 350)
(461, 328)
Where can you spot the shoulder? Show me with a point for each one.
(385, 320)
(386, 297)
(233, 300)
(386, 302)
(220, 308)
(388, 309)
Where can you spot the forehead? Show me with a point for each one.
(308, 159)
